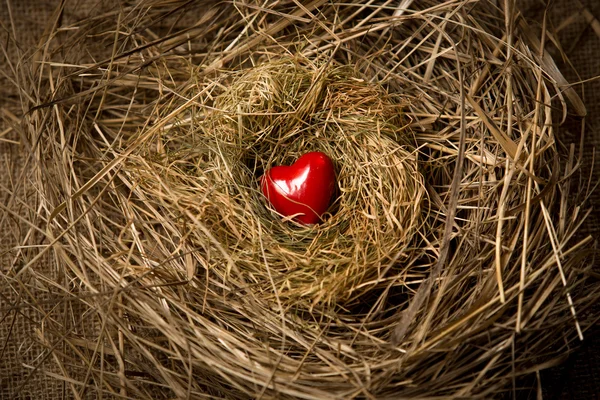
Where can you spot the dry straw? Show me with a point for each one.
(446, 268)
(206, 171)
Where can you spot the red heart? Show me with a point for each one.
(304, 188)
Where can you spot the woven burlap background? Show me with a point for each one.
(26, 364)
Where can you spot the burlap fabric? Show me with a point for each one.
(26, 364)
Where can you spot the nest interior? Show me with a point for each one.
(446, 267)
(270, 115)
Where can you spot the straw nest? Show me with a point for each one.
(205, 172)
(446, 267)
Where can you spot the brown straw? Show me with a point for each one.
(445, 268)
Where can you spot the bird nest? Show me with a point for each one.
(271, 115)
(446, 265)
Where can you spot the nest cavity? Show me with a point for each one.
(270, 115)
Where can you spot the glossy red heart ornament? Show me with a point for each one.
(304, 188)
